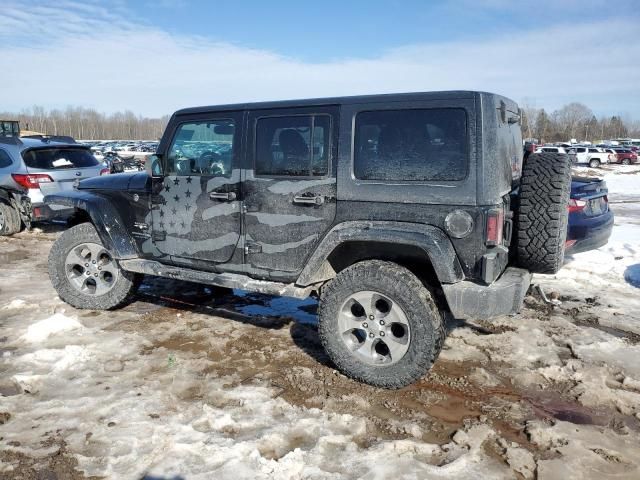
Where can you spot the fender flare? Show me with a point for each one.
(105, 218)
(432, 240)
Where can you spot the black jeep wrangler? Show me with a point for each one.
(395, 210)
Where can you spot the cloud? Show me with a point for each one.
(89, 55)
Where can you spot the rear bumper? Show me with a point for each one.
(589, 233)
(42, 211)
(469, 300)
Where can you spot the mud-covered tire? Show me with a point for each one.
(542, 212)
(426, 322)
(120, 293)
(9, 220)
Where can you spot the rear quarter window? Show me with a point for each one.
(411, 145)
(5, 159)
(59, 158)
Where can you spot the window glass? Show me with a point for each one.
(202, 148)
(593, 150)
(411, 145)
(295, 146)
(59, 158)
(5, 159)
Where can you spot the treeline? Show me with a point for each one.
(89, 124)
(575, 120)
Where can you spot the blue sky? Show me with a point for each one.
(153, 57)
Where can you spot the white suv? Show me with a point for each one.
(592, 156)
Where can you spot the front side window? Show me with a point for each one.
(202, 148)
(296, 146)
(59, 158)
(411, 145)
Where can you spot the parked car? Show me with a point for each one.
(590, 219)
(550, 149)
(31, 168)
(390, 208)
(592, 156)
(625, 156)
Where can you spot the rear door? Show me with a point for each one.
(64, 164)
(196, 208)
(290, 191)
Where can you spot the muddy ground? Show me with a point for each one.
(529, 396)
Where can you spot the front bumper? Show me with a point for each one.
(469, 300)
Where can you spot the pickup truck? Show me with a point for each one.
(592, 156)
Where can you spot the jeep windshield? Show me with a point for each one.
(59, 158)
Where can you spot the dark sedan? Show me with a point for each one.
(590, 219)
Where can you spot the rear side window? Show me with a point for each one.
(411, 145)
(59, 158)
(5, 159)
(296, 146)
(593, 150)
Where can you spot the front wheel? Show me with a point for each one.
(85, 274)
(626, 161)
(379, 324)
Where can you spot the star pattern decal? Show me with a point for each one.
(178, 206)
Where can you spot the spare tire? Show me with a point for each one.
(542, 212)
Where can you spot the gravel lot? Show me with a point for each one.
(184, 383)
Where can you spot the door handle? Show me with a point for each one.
(313, 200)
(226, 196)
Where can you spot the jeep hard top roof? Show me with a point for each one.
(379, 98)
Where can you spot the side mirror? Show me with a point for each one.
(153, 165)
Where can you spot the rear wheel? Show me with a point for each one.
(379, 324)
(9, 219)
(85, 274)
(626, 161)
(594, 163)
(542, 212)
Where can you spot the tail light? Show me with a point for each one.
(576, 205)
(495, 223)
(33, 180)
(104, 171)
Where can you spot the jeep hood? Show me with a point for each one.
(118, 182)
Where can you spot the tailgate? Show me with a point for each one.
(63, 164)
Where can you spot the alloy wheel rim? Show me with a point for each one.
(374, 328)
(91, 270)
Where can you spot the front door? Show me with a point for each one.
(196, 210)
(290, 193)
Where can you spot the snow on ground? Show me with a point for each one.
(184, 384)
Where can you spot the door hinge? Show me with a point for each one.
(159, 236)
(251, 247)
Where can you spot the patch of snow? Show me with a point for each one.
(57, 323)
(14, 304)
